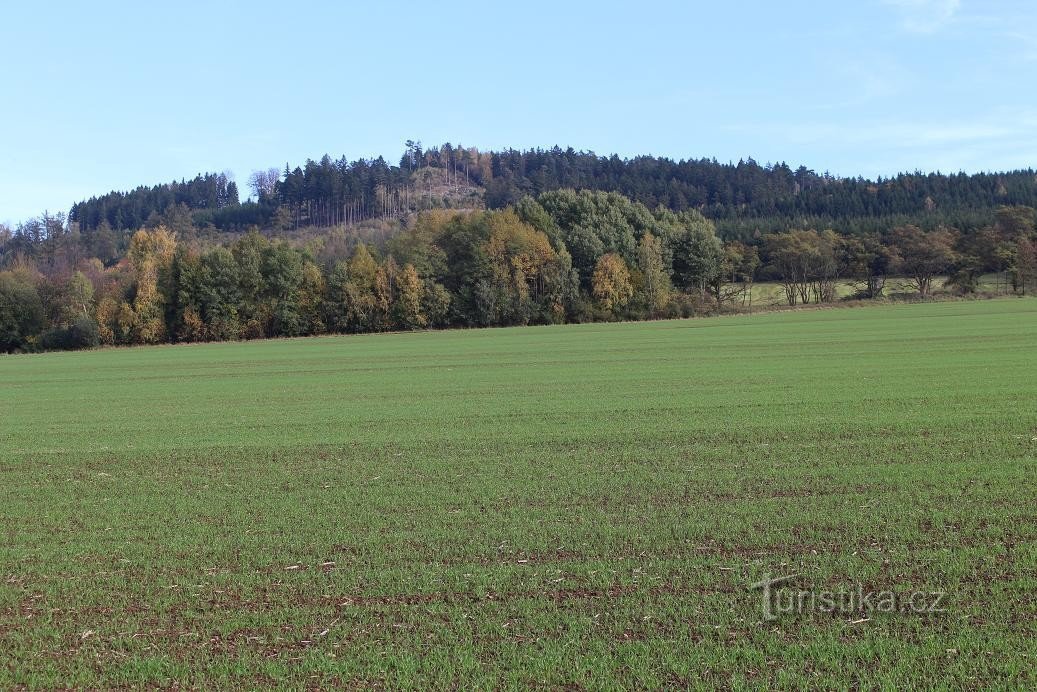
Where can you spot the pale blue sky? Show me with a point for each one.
(110, 95)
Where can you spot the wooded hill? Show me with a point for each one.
(743, 199)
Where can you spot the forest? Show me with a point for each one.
(743, 199)
(560, 256)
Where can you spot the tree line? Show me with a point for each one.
(210, 192)
(743, 199)
(561, 256)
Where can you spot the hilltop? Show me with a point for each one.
(743, 199)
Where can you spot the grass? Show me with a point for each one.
(558, 506)
(770, 294)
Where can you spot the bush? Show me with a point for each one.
(252, 329)
(82, 333)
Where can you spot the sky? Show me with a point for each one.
(110, 95)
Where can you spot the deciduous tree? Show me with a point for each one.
(611, 282)
(923, 256)
(410, 294)
(21, 311)
(654, 287)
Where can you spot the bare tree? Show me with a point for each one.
(264, 182)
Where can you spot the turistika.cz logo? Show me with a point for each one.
(782, 598)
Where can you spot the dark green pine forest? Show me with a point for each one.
(742, 198)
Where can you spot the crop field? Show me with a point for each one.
(583, 506)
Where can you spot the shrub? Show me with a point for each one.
(82, 333)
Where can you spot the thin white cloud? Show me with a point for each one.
(925, 16)
(999, 126)
(860, 81)
(1000, 139)
(1026, 42)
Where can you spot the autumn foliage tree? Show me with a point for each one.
(806, 262)
(407, 309)
(922, 256)
(357, 300)
(611, 282)
(519, 257)
(737, 273)
(654, 288)
(150, 255)
(788, 255)
(1024, 264)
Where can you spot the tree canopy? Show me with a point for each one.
(743, 199)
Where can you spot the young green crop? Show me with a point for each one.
(578, 505)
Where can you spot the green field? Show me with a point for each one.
(576, 505)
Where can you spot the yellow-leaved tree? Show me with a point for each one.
(654, 288)
(311, 297)
(519, 255)
(611, 282)
(150, 254)
(407, 312)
